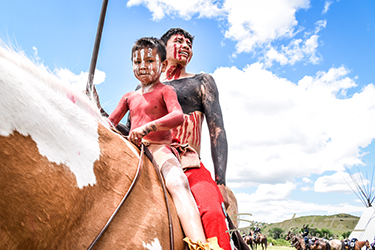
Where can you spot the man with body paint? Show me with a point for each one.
(154, 111)
(198, 97)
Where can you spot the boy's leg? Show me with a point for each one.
(209, 200)
(178, 186)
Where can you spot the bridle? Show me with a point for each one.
(144, 150)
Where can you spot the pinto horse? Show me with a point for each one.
(63, 172)
(249, 241)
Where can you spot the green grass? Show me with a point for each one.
(275, 248)
(278, 248)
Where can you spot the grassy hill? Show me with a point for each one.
(336, 224)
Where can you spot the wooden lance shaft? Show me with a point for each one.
(90, 89)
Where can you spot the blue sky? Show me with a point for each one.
(295, 81)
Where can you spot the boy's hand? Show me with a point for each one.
(137, 134)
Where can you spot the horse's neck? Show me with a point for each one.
(361, 243)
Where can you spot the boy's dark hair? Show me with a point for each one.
(174, 31)
(150, 42)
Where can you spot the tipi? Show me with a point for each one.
(365, 228)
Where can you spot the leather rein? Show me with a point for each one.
(144, 150)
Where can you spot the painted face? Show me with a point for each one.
(179, 48)
(147, 65)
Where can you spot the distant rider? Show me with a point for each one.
(305, 236)
(256, 232)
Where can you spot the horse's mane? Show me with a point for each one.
(45, 75)
(61, 120)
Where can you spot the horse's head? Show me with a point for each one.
(367, 244)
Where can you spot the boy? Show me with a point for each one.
(154, 110)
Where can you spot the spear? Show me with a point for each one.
(90, 89)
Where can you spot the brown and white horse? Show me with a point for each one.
(320, 244)
(296, 241)
(336, 244)
(259, 239)
(63, 172)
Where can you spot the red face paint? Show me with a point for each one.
(180, 47)
(174, 72)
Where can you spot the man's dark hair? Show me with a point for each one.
(150, 42)
(175, 31)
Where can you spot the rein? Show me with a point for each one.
(144, 150)
(139, 168)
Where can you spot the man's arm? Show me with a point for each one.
(219, 145)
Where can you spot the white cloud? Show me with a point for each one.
(306, 180)
(183, 9)
(297, 50)
(272, 192)
(326, 6)
(338, 182)
(251, 24)
(279, 130)
(79, 81)
(255, 23)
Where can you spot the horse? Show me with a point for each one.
(232, 209)
(296, 241)
(320, 244)
(359, 244)
(64, 172)
(260, 239)
(249, 241)
(336, 244)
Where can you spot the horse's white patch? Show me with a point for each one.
(155, 245)
(62, 121)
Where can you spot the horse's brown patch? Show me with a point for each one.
(43, 208)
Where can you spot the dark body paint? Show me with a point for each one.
(199, 93)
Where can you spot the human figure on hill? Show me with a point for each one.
(154, 111)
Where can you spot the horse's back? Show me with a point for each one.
(143, 220)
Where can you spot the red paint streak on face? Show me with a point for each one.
(174, 72)
(176, 52)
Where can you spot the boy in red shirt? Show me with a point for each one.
(154, 110)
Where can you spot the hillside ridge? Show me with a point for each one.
(337, 223)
